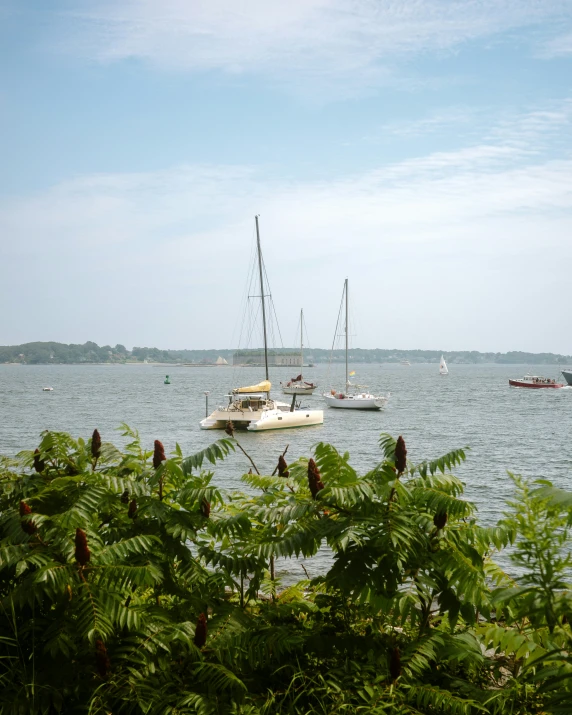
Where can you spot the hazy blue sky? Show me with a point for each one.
(420, 147)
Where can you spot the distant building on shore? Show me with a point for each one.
(275, 359)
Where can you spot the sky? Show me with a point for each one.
(420, 148)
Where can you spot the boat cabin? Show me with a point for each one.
(249, 403)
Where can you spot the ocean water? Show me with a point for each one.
(528, 432)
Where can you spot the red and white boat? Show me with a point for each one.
(535, 382)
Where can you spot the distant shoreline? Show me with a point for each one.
(90, 353)
(559, 366)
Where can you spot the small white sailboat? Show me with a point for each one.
(350, 399)
(47, 389)
(443, 369)
(251, 407)
(299, 386)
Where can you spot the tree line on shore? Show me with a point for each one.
(46, 353)
(131, 583)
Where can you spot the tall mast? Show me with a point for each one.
(347, 329)
(301, 341)
(262, 297)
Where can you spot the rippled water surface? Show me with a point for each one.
(525, 431)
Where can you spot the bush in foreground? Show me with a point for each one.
(129, 583)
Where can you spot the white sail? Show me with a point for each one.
(443, 370)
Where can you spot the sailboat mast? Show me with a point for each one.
(301, 341)
(347, 330)
(262, 297)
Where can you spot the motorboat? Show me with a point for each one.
(351, 398)
(251, 407)
(47, 389)
(405, 362)
(535, 382)
(567, 374)
(297, 385)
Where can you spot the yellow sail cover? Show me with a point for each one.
(263, 386)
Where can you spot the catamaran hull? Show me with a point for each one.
(264, 420)
(356, 402)
(285, 420)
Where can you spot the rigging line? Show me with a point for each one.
(297, 333)
(306, 333)
(272, 306)
(253, 324)
(245, 300)
(277, 323)
(247, 287)
(336, 334)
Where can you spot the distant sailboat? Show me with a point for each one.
(443, 369)
(297, 385)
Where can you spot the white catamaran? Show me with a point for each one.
(351, 399)
(297, 385)
(251, 407)
(443, 369)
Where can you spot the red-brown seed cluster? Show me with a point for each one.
(39, 464)
(400, 455)
(229, 429)
(201, 631)
(395, 663)
(205, 508)
(282, 467)
(82, 552)
(95, 444)
(158, 454)
(101, 658)
(125, 497)
(28, 525)
(314, 478)
(132, 509)
(440, 519)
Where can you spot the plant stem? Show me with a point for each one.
(247, 455)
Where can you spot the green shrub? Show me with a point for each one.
(129, 583)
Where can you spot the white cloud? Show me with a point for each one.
(164, 255)
(560, 46)
(332, 40)
(447, 118)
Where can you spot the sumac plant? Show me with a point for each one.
(130, 583)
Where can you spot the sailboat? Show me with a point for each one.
(443, 369)
(251, 407)
(348, 399)
(297, 385)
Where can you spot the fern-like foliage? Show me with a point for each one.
(127, 588)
